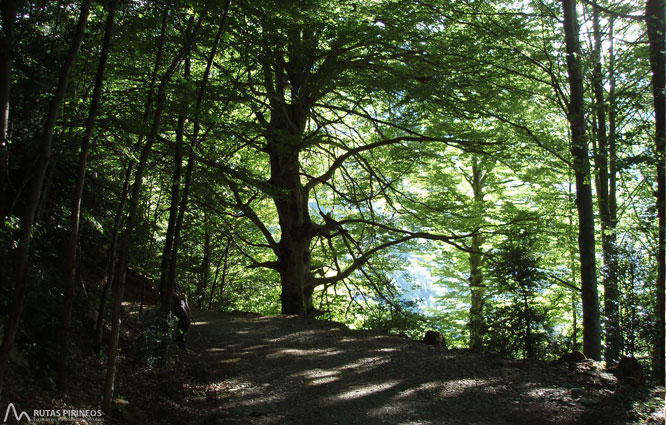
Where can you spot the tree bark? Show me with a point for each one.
(70, 273)
(293, 253)
(584, 203)
(611, 297)
(654, 13)
(284, 136)
(166, 286)
(173, 209)
(27, 219)
(293, 249)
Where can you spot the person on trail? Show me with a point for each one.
(180, 308)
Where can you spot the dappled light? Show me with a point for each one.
(361, 391)
(367, 212)
(273, 370)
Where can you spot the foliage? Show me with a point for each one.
(401, 104)
(517, 321)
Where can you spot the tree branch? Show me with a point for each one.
(254, 218)
(604, 9)
(351, 152)
(358, 262)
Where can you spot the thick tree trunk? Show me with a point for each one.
(293, 251)
(27, 219)
(285, 137)
(70, 274)
(654, 12)
(584, 203)
(611, 300)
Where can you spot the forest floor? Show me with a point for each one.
(243, 368)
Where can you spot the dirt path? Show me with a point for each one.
(248, 369)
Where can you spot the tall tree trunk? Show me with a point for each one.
(573, 263)
(173, 261)
(293, 252)
(173, 208)
(27, 219)
(476, 286)
(205, 263)
(113, 260)
(611, 301)
(70, 274)
(654, 13)
(574, 332)
(584, 203)
(123, 260)
(166, 288)
(8, 10)
(612, 169)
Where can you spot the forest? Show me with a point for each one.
(492, 170)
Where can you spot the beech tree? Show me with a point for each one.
(311, 81)
(654, 15)
(581, 166)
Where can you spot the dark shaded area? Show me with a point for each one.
(251, 369)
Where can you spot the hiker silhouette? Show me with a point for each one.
(180, 308)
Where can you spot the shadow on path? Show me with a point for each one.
(249, 369)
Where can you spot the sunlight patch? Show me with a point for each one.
(320, 376)
(386, 350)
(294, 352)
(366, 362)
(324, 380)
(364, 391)
(423, 388)
(393, 408)
(317, 373)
